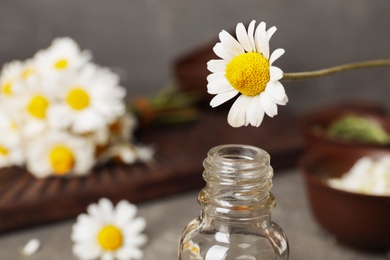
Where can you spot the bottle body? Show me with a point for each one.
(235, 220)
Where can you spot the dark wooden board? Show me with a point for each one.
(180, 150)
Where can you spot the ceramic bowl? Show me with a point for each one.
(358, 220)
(314, 126)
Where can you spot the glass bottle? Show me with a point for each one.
(236, 203)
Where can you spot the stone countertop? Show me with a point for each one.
(307, 239)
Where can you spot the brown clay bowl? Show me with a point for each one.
(315, 140)
(358, 220)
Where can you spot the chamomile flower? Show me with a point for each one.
(109, 233)
(59, 153)
(60, 58)
(12, 76)
(31, 108)
(246, 67)
(89, 100)
(11, 142)
(62, 113)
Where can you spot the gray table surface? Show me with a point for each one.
(166, 218)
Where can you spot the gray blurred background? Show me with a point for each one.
(142, 39)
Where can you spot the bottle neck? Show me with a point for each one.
(238, 182)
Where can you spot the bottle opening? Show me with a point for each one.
(237, 161)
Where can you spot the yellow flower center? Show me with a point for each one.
(110, 238)
(37, 106)
(61, 64)
(78, 99)
(26, 73)
(3, 151)
(61, 159)
(248, 73)
(13, 125)
(6, 88)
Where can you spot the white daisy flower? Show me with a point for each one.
(109, 233)
(246, 67)
(12, 76)
(11, 142)
(60, 153)
(60, 58)
(31, 108)
(91, 99)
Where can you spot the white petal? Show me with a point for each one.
(86, 251)
(276, 73)
(243, 38)
(129, 253)
(135, 240)
(94, 211)
(237, 113)
(106, 208)
(124, 212)
(276, 55)
(31, 247)
(223, 97)
(88, 120)
(84, 227)
(270, 108)
(135, 226)
(276, 90)
(219, 86)
(255, 113)
(215, 76)
(251, 35)
(271, 32)
(216, 65)
(145, 153)
(283, 101)
(262, 44)
(230, 44)
(108, 256)
(84, 231)
(221, 52)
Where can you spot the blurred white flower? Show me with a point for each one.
(60, 153)
(62, 57)
(11, 77)
(31, 108)
(11, 143)
(109, 233)
(90, 100)
(59, 112)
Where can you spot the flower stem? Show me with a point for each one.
(336, 69)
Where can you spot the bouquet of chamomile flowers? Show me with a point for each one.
(61, 114)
